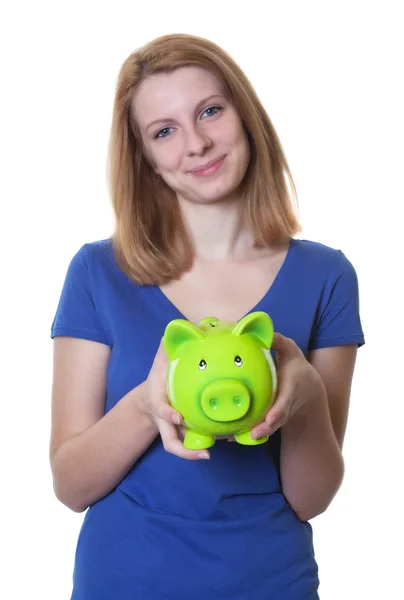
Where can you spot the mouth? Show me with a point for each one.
(209, 168)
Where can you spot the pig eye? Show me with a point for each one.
(202, 365)
(237, 361)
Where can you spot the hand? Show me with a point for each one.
(298, 384)
(162, 414)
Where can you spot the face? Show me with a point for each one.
(192, 134)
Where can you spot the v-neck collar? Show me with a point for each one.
(174, 313)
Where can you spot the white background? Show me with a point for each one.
(330, 75)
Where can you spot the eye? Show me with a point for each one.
(163, 132)
(238, 361)
(202, 365)
(212, 110)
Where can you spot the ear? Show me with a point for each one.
(208, 322)
(178, 332)
(258, 324)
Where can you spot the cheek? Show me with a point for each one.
(168, 156)
(235, 136)
(242, 149)
(241, 137)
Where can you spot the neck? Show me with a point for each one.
(217, 230)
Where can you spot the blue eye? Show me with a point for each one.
(163, 132)
(213, 110)
(209, 112)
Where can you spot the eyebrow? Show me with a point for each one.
(198, 106)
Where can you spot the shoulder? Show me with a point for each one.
(94, 256)
(97, 251)
(323, 259)
(93, 265)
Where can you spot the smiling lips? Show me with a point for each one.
(209, 169)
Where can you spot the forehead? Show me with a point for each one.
(166, 95)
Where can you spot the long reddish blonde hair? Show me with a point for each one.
(150, 240)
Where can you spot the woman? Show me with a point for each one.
(204, 226)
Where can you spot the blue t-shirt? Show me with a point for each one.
(175, 529)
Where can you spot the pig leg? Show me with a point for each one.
(246, 439)
(198, 441)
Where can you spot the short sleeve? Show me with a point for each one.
(338, 319)
(76, 314)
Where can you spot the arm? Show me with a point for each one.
(91, 452)
(313, 398)
(312, 408)
(311, 460)
(336, 369)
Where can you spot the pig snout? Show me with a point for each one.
(226, 400)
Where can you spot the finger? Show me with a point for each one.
(173, 445)
(181, 432)
(161, 358)
(278, 419)
(276, 413)
(163, 410)
(275, 418)
(284, 346)
(260, 431)
(279, 342)
(281, 406)
(263, 429)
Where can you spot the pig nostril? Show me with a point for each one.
(237, 400)
(213, 402)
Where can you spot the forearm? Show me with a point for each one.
(312, 466)
(88, 466)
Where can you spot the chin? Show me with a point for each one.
(214, 198)
(217, 193)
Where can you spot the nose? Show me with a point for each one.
(226, 400)
(197, 142)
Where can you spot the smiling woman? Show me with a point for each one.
(189, 104)
(198, 140)
(205, 226)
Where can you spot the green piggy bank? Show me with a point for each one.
(221, 377)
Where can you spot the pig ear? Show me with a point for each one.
(258, 324)
(177, 332)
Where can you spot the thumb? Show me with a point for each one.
(161, 358)
(279, 342)
(284, 346)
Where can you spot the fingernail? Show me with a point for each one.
(254, 435)
(203, 455)
(177, 419)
